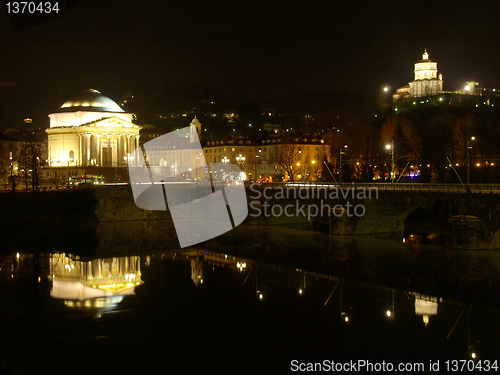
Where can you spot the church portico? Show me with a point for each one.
(89, 145)
(91, 130)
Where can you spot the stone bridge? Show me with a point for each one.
(471, 215)
(473, 218)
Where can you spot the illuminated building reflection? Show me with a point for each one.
(198, 257)
(97, 283)
(425, 307)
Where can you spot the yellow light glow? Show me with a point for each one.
(478, 165)
(473, 355)
(388, 313)
(425, 319)
(300, 291)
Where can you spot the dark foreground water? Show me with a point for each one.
(251, 301)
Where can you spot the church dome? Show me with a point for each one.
(91, 100)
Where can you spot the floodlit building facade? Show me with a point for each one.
(91, 130)
(427, 81)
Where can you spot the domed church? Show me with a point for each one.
(91, 130)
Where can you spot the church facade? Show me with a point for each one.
(427, 81)
(91, 130)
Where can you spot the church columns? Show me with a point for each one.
(87, 156)
(114, 153)
(108, 156)
(128, 145)
(118, 149)
(78, 154)
(98, 153)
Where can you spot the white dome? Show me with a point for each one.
(91, 100)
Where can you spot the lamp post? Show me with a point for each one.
(11, 167)
(240, 160)
(196, 169)
(340, 163)
(391, 147)
(129, 158)
(225, 161)
(69, 160)
(468, 160)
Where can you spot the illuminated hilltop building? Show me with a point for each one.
(427, 81)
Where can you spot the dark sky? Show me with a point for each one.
(255, 49)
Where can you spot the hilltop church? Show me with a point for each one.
(427, 81)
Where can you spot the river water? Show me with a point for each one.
(250, 301)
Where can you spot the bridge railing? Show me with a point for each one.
(444, 188)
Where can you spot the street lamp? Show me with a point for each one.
(129, 158)
(69, 161)
(225, 161)
(468, 159)
(340, 163)
(391, 147)
(240, 160)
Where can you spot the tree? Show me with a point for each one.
(436, 141)
(30, 156)
(463, 128)
(286, 156)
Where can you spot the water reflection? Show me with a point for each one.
(425, 306)
(254, 293)
(98, 283)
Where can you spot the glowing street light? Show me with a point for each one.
(391, 147)
(240, 160)
(128, 159)
(340, 163)
(468, 160)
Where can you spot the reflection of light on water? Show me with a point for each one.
(100, 303)
(97, 284)
(425, 307)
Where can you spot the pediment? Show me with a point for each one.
(111, 122)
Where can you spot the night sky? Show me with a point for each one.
(247, 49)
